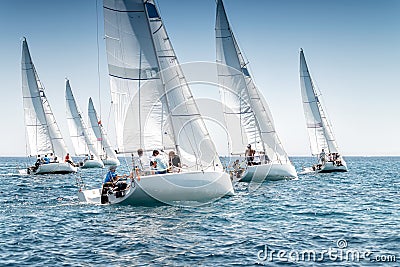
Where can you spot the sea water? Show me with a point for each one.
(337, 219)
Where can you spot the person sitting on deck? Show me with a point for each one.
(257, 159)
(46, 159)
(69, 160)
(110, 182)
(161, 165)
(142, 162)
(36, 165)
(174, 162)
(338, 160)
(237, 169)
(55, 159)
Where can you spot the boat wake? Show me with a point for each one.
(306, 171)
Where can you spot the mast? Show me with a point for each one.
(244, 97)
(143, 69)
(245, 73)
(82, 140)
(182, 109)
(149, 4)
(44, 136)
(319, 129)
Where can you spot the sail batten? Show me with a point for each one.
(240, 94)
(81, 137)
(42, 131)
(319, 129)
(153, 105)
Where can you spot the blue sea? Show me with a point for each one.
(337, 219)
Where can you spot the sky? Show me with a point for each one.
(352, 49)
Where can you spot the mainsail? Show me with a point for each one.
(153, 104)
(318, 126)
(242, 98)
(82, 139)
(44, 136)
(101, 135)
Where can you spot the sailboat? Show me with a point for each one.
(154, 109)
(323, 142)
(241, 99)
(107, 155)
(82, 139)
(43, 134)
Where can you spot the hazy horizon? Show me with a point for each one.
(351, 47)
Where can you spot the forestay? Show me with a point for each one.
(44, 136)
(319, 129)
(239, 93)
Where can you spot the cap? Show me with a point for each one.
(112, 168)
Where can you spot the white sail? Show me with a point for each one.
(184, 121)
(239, 93)
(318, 126)
(131, 63)
(153, 104)
(103, 144)
(44, 136)
(82, 139)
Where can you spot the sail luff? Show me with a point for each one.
(132, 63)
(44, 136)
(163, 93)
(237, 62)
(188, 128)
(100, 133)
(319, 129)
(234, 74)
(82, 141)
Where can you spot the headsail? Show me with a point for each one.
(44, 136)
(101, 136)
(184, 121)
(82, 139)
(153, 103)
(240, 94)
(319, 129)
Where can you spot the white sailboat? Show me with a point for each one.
(82, 140)
(243, 100)
(43, 135)
(107, 155)
(154, 109)
(323, 143)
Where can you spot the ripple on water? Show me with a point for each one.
(43, 224)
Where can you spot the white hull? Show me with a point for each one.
(330, 167)
(92, 163)
(269, 172)
(172, 188)
(111, 162)
(62, 168)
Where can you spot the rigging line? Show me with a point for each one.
(181, 84)
(98, 56)
(108, 120)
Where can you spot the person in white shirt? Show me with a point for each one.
(161, 163)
